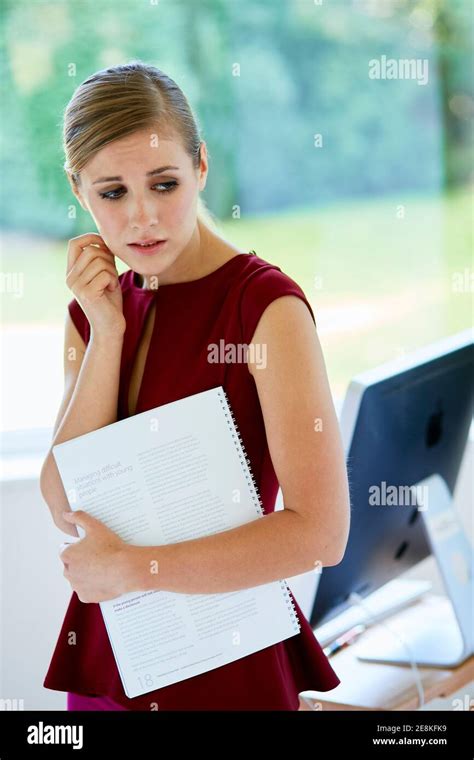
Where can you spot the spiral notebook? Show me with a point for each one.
(175, 473)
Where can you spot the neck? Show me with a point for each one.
(191, 262)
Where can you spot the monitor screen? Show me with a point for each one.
(400, 423)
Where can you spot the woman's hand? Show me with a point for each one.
(97, 565)
(93, 278)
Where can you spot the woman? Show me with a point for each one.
(136, 164)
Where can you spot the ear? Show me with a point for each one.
(204, 166)
(76, 190)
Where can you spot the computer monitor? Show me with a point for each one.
(401, 423)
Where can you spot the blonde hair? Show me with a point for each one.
(123, 99)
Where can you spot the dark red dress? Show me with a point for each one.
(224, 305)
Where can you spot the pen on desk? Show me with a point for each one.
(343, 641)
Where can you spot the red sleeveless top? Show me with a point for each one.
(223, 305)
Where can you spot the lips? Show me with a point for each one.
(147, 247)
(146, 242)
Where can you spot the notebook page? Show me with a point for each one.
(170, 474)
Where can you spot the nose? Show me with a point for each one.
(143, 213)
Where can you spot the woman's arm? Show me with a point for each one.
(90, 402)
(307, 453)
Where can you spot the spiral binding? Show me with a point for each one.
(250, 478)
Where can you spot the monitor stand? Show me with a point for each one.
(448, 640)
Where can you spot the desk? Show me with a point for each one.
(377, 686)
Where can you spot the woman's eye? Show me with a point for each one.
(167, 185)
(109, 195)
(114, 195)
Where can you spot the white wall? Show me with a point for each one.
(34, 594)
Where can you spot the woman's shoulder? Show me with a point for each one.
(258, 272)
(259, 283)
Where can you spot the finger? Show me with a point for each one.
(96, 266)
(63, 559)
(77, 244)
(92, 258)
(102, 281)
(85, 520)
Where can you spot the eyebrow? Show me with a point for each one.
(153, 172)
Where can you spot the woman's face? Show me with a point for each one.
(128, 206)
